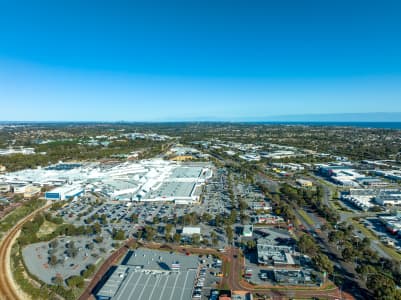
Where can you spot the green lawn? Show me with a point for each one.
(46, 228)
(306, 217)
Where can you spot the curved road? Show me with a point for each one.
(7, 285)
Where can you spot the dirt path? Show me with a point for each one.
(9, 290)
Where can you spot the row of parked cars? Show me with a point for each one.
(200, 282)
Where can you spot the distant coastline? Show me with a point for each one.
(373, 125)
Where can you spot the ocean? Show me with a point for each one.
(377, 125)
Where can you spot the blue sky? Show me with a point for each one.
(197, 60)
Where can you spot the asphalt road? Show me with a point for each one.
(351, 282)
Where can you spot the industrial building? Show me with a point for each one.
(280, 154)
(289, 166)
(269, 253)
(360, 198)
(250, 157)
(151, 275)
(390, 174)
(371, 182)
(367, 198)
(341, 175)
(388, 197)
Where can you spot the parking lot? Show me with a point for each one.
(382, 233)
(208, 277)
(72, 255)
(130, 217)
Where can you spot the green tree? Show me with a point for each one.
(382, 286)
(103, 219)
(233, 216)
(230, 234)
(196, 239)
(58, 280)
(218, 220)
(118, 234)
(177, 238)
(53, 260)
(348, 252)
(307, 245)
(251, 244)
(365, 270)
(75, 282)
(206, 218)
(215, 240)
(323, 263)
(149, 233)
(97, 228)
(54, 243)
(90, 270)
(168, 229)
(98, 239)
(243, 205)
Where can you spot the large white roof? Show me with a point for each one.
(138, 178)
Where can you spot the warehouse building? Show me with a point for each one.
(389, 197)
(371, 182)
(360, 198)
(151, 275)
(390, 174)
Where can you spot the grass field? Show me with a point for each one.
(306, 217)
(46, 228)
